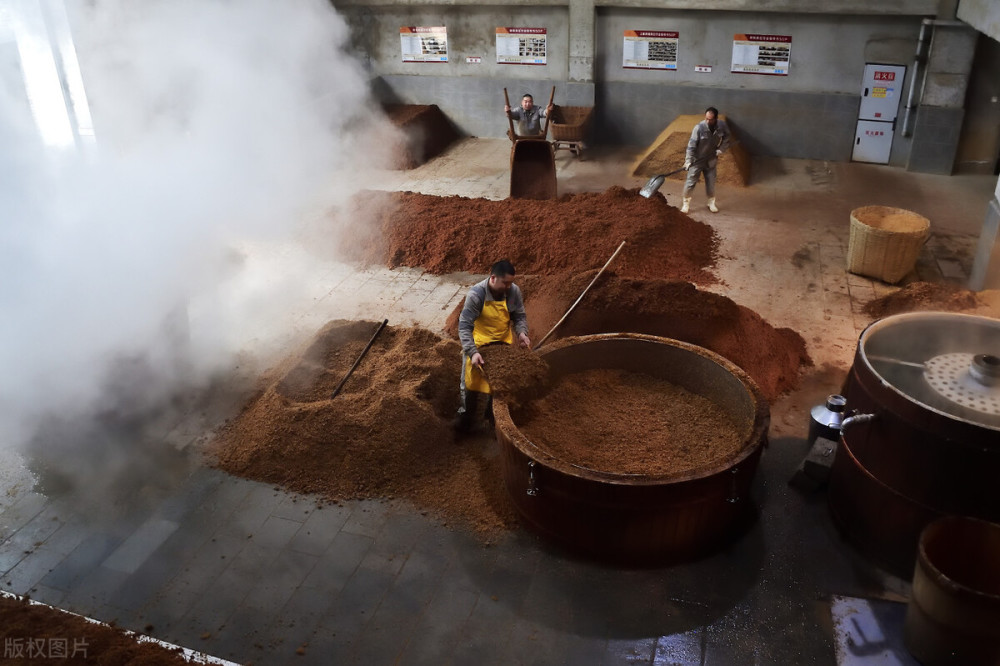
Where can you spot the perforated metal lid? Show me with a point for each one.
(955, 377)
(946, 362)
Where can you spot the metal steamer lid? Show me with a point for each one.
(945, 362)
(970, 380)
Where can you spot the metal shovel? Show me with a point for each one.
(650, 188)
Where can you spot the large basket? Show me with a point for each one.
(885, 242)
(569, 123)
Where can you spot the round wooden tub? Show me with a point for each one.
(635, 518)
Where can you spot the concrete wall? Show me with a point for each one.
(471, 32)
(827, 56)
(979, 145)
(885, 7)
(986, 265)
(811, 113)
(471, 95)
(942, 99)
(983, 15)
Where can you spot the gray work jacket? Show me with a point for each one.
(704, 142)
(528, 122)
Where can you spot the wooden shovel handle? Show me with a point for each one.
(361, 356)
(552, 96)
(510, 121)
(580, 298)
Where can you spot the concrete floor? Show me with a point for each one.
(249, 573)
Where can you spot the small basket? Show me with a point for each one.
(885, 242)
(569, 123)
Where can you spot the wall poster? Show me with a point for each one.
(423, 44)
(521, 46)
(761, 54)
(650, 49)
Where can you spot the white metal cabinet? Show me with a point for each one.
(881, 90)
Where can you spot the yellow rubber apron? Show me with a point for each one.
(492, 325)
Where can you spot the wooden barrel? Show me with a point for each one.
(883, 523)
(636, 519)
(923, 455)
(954, 611)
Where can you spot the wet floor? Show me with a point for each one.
(247, 572)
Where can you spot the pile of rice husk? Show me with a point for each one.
(40, 633)
(387, 433)
(427, 132)
(669, 150)
(887, 218)
(922, 296)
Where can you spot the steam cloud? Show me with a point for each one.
(218, 124)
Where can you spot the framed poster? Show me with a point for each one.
(521, 46)
(423, 44)
(761, 54)
(650, 49)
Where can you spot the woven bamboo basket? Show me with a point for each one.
(569, 123)
(885, 242)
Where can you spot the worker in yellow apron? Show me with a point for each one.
(493, 313)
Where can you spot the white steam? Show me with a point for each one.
(218, 124)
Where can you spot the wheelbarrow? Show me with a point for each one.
(532, 170)
(532, 163)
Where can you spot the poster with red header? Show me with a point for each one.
(521, 46)
(650, 49)
(424, 44)
(761, 54)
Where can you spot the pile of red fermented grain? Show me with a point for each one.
(918, 296)
(41, 634)
(426, 132)
(623, 422)
(388, 433)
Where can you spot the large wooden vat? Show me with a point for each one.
(634, 518)
(929, 442)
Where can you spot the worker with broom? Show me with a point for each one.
(709, 139)
(493, 312)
